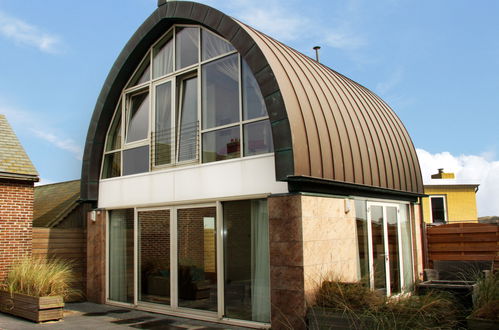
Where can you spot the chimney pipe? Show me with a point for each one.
(440, 170)
(316, 48)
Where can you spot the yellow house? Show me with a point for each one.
(449, 200)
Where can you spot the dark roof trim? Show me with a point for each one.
(303, 184)
(15, 176)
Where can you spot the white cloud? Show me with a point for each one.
(24, 33)
(468, 168)
(283, 20)
(61, 143)
(40, 128)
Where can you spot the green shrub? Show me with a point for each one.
(40, 277)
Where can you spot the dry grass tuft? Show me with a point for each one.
(40, 277)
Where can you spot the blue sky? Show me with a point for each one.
(436, 63)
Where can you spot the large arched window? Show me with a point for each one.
(191, 100)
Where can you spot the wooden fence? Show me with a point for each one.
(462, 242)
(68, 244)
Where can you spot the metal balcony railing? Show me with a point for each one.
(175, 145)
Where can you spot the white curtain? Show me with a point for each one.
(163, 60)
(406, 239)
(214, 46)
(260, 264)
(117, 256)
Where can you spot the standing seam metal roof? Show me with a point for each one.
(324, 125)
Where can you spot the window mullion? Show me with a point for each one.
(240, 83)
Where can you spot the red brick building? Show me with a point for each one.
(17, 178)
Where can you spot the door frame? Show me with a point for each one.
(173, 307)
(384, 207)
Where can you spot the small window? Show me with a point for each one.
(136, 160)
(188, 120)
(114, 134)
(163, 57)
(143, 73)
(220, 88)
(163, 134)
(257, 138)
(112, 165)
(253, 103)
(187, 47)
(438, 213)
(213, 45)
(221, 144)
(138, 117)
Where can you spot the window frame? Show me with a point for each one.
(446, 217)
(175, 76)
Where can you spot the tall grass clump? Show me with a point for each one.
(486, 297)
(40, 277)
(367, 308)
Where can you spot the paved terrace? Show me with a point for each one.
(96, 317)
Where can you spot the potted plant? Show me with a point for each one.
(35, 289)
(485, 313)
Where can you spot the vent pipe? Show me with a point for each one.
(316, 48)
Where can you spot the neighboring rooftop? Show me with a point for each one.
(447, 179)
(14, 162)
(54, 201)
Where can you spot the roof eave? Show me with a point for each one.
(20, 177)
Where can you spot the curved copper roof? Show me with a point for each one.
(325, 126)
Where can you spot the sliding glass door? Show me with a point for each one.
(196, 258)
(154, 270)
(210, 259)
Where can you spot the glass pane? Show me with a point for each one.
(121, 272)
(257, 138)
(362, 239)
(197, 274)
(138, 117)
(393, 249)
(112, 165)
(378, 247)
(222, 144)
(114, 135)
(186, 51)
(188, 122)
(163, 135)
(405, 231)
(246, 252)
(213, 45)
(437, 209)
(163, 57)
(253, 103)
(136, 160)
(154, 256)
(143, 73)
(220, 92)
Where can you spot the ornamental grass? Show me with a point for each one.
(40, 277)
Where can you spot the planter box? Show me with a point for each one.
(324, 318)
(36, 309)
(481, 324)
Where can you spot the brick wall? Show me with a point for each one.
(155, 240)
(191, 236)
(16, 219)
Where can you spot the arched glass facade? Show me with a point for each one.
(193, 99)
